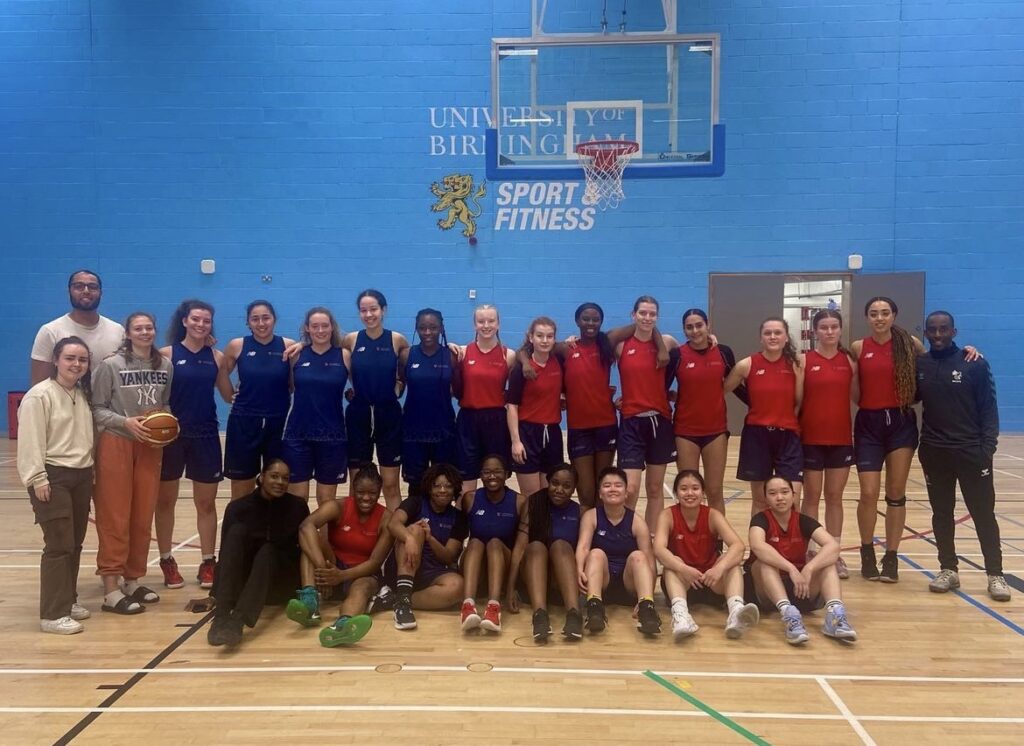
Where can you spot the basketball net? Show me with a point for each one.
(603, 162)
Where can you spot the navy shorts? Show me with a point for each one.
(646, 439)
(250, 443)
(418, 457)
(374, 425)
(616, 592)
(769, 451)
(198, 458)
(703, 441)
(543, 444)
(819, 458)
(429, 571)
(696, 596)
(481, 432)
(803, 605)
(590, 440)
(322, 460)
(878, 432)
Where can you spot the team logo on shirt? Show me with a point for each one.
(346, 527)
(361, 349)
(147, 396)
(815, 369)
(471, 362)
(575, 355)
(251, 353)
(481, 512)
(304, 365)
(957, 376)
(602, 532)
(691, 365)
(415, 366)
(180, 362)
(869, 354)
(774, 538)
(760, 372)
(631, 352)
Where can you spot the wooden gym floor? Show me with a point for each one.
(931, 668)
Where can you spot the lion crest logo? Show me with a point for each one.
(454, 194)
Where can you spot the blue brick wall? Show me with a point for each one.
(293, 140)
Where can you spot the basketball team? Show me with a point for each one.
(318, 409)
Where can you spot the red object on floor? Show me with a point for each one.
(13, 402)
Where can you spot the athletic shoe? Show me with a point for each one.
(404, 618)
(172, 578)
(573, 629)
(79, 612)
(683, 624)
(470, 617)
(205, 574)
(492, 617)
(841, 569)
(224, 631)
(836, 624)
(541, 625)
(383, 600)
(304, 609)
(998, 590)
(740, 620)
(796, 632)
(63, 626)
(347, 630)
(648, 621)
(597, 619)
(945, 581)
(890, 572)
(868, 563)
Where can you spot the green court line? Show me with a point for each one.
(731, 724)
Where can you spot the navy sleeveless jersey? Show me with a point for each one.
(262, 379)
(617, 541)
(442, 526)
(317, 411)
(195, 376)
(489, 520)
(373, 369)
(428, 416)
(565, 522)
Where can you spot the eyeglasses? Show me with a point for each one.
(80, 286)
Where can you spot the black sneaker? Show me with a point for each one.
(384, 600)
(597, 620)
(868, 564)
(224, 631)
(573, 629)
(648, 620)
(890, 568)
(404, 618)
(541, 625)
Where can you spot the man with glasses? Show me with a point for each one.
(85, 289)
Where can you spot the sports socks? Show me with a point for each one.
(734, 602)
(403, 586)
(832, 602)
(781, 605)
(679, 604)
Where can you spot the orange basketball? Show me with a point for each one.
(163, 427)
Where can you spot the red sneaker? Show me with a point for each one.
(470, 618)
(172, 578)
(205, 576)
(492, 617)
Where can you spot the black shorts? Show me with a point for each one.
(481, 432)
(703, 441)
(696, 596)
(250, 443)
(543, 444)
(417, 457)
(377, 425)
(590, 440)
(321, 460)
(615, 592)
(819, 458)
(769, 451)
(646, 439)
(879, 432)
(198, 458)
(803, 605)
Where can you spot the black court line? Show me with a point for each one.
(124, 688)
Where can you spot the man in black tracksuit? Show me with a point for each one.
(959, 432)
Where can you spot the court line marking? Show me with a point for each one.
(1007, 473)
(847, 713)
(707, 709)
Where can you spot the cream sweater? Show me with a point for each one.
(53, 429)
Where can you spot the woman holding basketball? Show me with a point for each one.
(127, 386)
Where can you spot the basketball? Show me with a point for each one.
(163, 427)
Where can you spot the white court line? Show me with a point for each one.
(1007, 473)
(841, 706)
(156, 560)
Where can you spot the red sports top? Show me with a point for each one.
(825, 409)
(772, 390)
(588, 400)
(877, 375)
(539, 400)
(699, 548)
(700, 403)
(483, 377)
(351, 539)
(790, 543)
(643, 382)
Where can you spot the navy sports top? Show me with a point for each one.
(262, 379)
(451, 524)
(318, 401)
(373, 369)
(565, 522)
(615, 541)
(489, 520)
(428, 416)
(195, 375)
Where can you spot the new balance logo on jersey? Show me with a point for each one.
(251, 353)
(869, 354)
(957, 376)
(691, 365)
(602, 532)
(471, 362)
(415, 365)
(346, 528)
(815, 369)
(760, 372)
(180, 362)
(775, 539)
(481, 512)
(361, 349)
(631, 352)
(304, 365)
(575, 355)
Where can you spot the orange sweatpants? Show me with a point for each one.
(127, 484)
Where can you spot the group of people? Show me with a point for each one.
(289, 426)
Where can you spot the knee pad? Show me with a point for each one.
(897, 503)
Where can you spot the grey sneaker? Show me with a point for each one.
(945, 581)
(997, 588)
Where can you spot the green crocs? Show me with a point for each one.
(346, 631)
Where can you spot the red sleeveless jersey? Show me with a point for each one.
(351, 539)
(772, 390)
(877, 375)
(825, 409)
(483, 377)
(788, 542)
(699, 548)
(542, 398)
(588, 400)
(643, 382)
(700, 403)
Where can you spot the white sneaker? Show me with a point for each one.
(79, 612)
(945, 581)
(63, 626)
(683, 624)
(740, 620)
(997, 588)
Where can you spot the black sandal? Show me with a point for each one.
(144, 595)
(124, 607)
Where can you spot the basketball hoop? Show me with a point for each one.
(603, 162)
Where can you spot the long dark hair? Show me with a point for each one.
(85, 382)
(539, 505)
(126, 349)
(604, 347)
(904, 355)
(176, 331)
